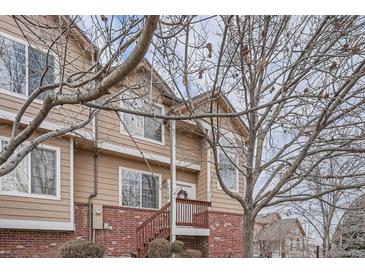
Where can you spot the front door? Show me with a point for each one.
(185, 190)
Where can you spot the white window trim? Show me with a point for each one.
(27, 45)
(124, 132)
(58, 176)
(237, 173)
(120, 185)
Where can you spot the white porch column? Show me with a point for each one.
(173, 179)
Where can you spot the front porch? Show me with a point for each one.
(191, 219)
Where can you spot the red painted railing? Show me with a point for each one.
(157, 226)
(192, 213)
(189, 213)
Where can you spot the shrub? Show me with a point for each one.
(159, 248)
(177, 247)
(192, 253)
(81, 249)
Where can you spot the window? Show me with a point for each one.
(143, 127)
(15, 77)
(43, 173)
(12, 66)
(17, 180)
(227, 158)
(140, 189)
(39, 64)
(36, 175)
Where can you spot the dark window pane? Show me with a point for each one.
(43, 172)
(133, 124)
(227, 169)
(131, 188)
(12, 66)
(16, 180)
(152, 126)
(39, 64)
(150, 191)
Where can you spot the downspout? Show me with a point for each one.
(172, 180)
(96, 165)
(96, 173)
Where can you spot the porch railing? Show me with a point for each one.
(192, 213)
(189, 213)
(157, 226)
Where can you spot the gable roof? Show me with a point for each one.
(267, 218)
(279, 229)
(179, 102)
(221, 98)
(160, 82)
(78, 34)
(147, 66)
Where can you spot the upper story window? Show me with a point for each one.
(37, 64)
(22, 67)
(139, 189)
(298, 243)
(139, 126)
(227, 157)
(37, 175)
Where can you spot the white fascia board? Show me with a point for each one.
(9, 116)
(36, 225)
(191, 231)
(148, 156)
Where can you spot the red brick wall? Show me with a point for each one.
(225, 238)
(33, 243)
(226, 235)
(120, 241)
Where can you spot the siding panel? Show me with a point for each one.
(27, 208)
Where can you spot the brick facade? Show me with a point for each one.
(120, 241)
(225, 238)
(226, 235)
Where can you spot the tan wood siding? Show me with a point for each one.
(108, 186)
(38, 209)
(220, 200)
(62, 115)
(201, 189)
(188, 145)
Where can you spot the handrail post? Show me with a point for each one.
(172, 179)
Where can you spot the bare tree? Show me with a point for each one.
(297, 84)
(323, 214)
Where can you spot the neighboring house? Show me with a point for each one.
(45, 201)
(276, 237)
(349, 237)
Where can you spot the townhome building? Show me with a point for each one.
(278, 238)
(110, 181)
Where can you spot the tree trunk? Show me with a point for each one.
(248, 228)
(326, 242)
